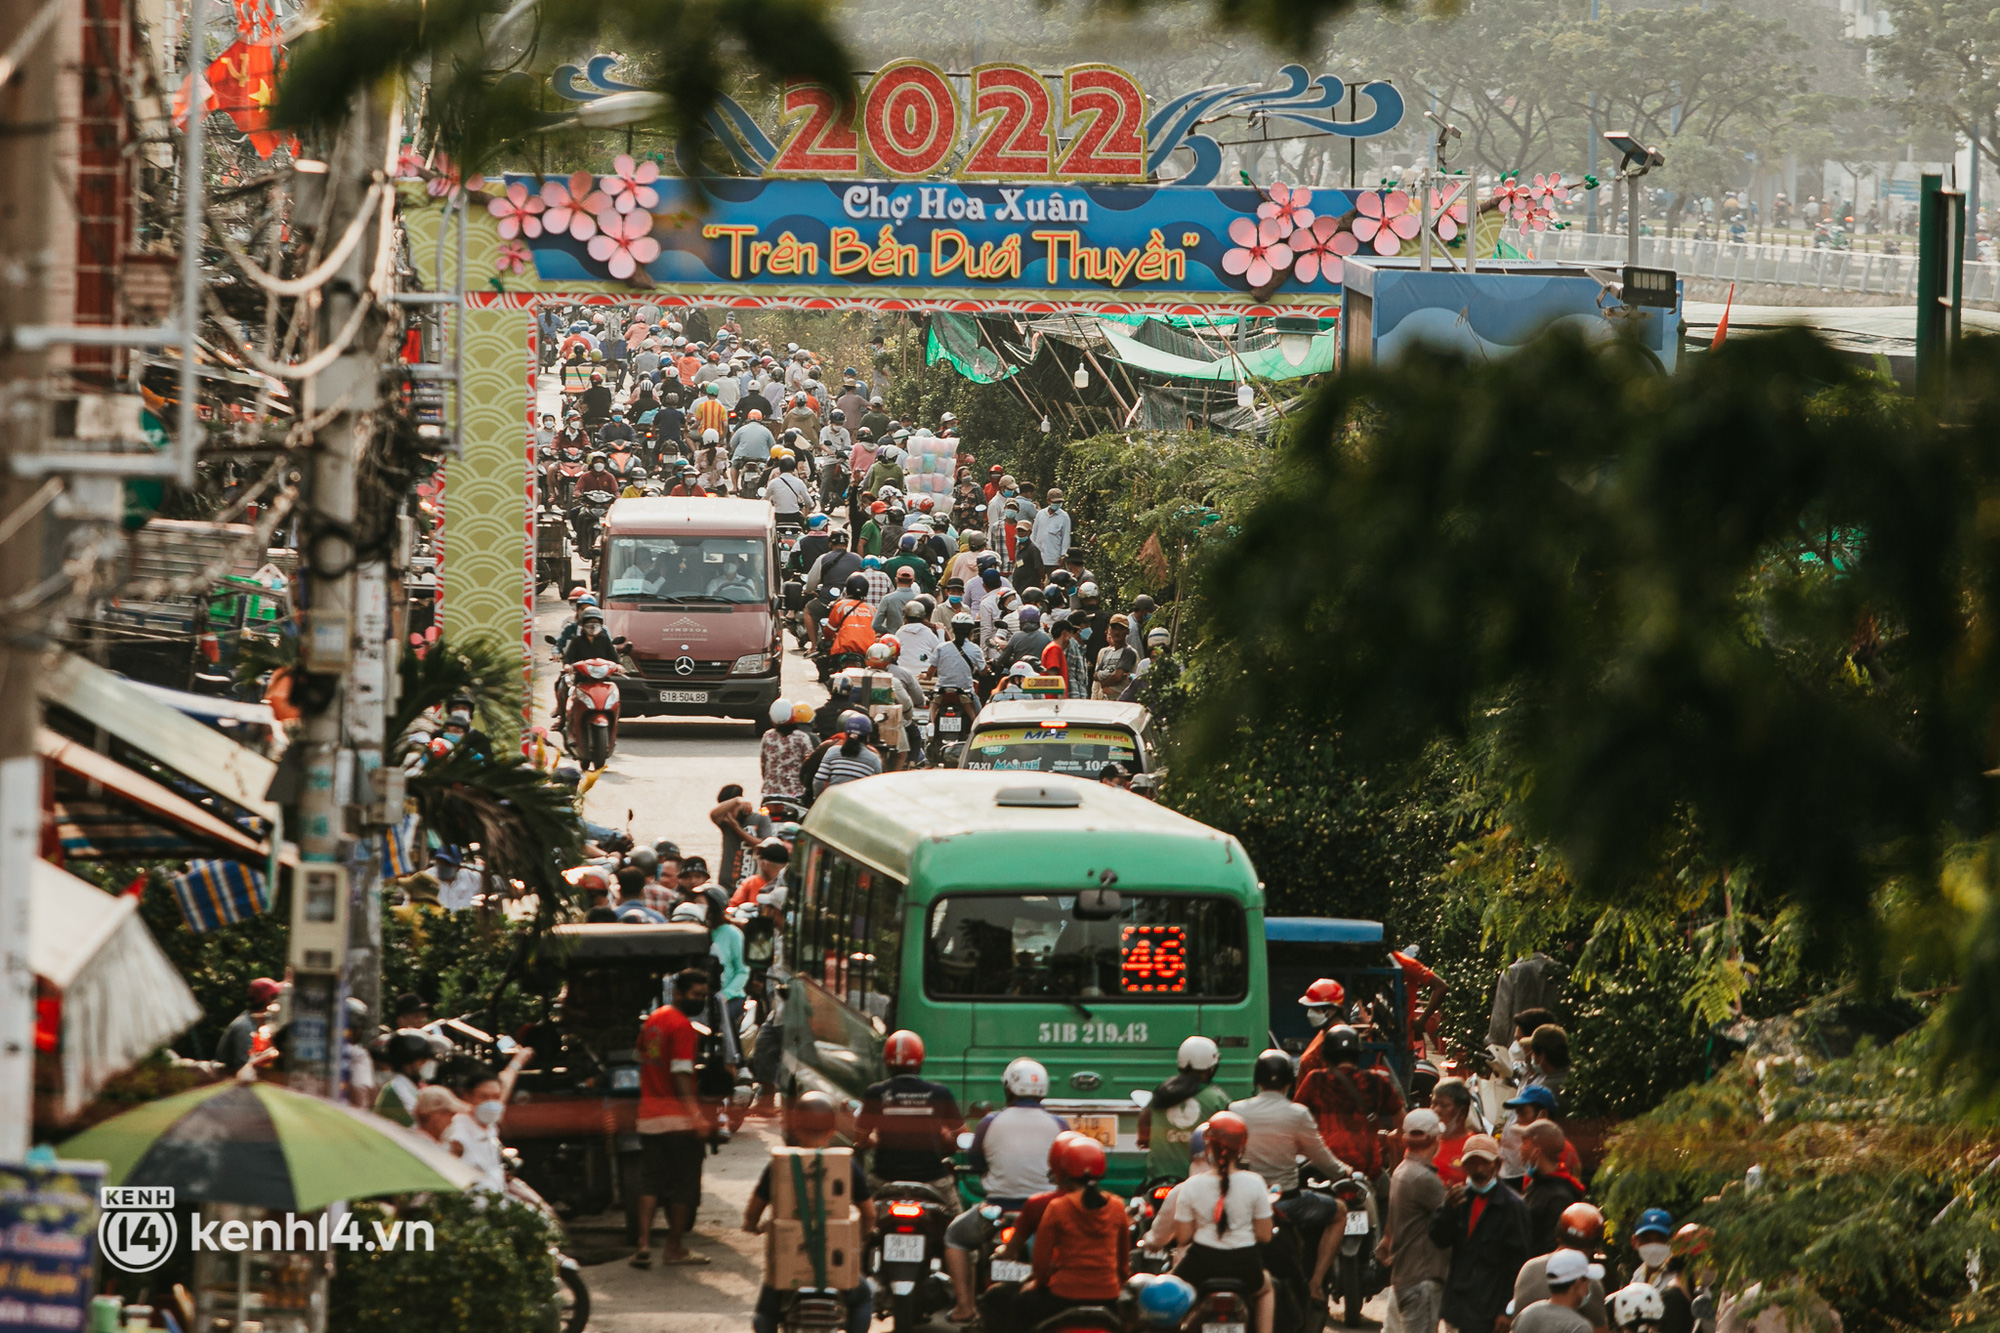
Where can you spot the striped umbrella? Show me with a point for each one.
(260, 1144)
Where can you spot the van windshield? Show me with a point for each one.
(1032, 946)
(681, 569)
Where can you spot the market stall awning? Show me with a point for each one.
(1290, 356)
(121, 997)
(164, 735)
(106, 811)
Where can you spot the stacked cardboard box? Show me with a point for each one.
(788, 1261)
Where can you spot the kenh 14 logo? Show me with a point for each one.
(138, 1231)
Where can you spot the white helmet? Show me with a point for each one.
(1637, 1304)
(781, 711)
(710, 436)
(690, 911)
(1199, 1054)
(1026, 1078)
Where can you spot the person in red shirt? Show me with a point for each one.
(1419, 1026)
(1081, 1245)
(1323, 1003)
(1355, 1107)
(673, 1126)
(1452, 1100)
(1055, 655)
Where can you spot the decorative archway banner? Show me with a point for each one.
(943, 244)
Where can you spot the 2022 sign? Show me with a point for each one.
(910, 124)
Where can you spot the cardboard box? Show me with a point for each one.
(787, 1265)
(837, 1190)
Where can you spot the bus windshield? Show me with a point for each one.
(1032, 946)
(1078, 751)
(703, 569)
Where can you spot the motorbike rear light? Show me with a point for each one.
(1162, 1191)
(1224, 1305)
(1006, 1234)
(906, 1210)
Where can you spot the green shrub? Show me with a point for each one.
(491, 1271)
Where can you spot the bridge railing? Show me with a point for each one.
(1789, 265)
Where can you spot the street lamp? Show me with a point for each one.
(1637, 160)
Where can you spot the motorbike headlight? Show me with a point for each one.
(751, 664)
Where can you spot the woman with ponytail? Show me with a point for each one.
(1080, 1247)
(1221, 1219)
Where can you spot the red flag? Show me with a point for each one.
(1722, 329)
(241, 83)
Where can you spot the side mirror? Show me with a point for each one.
(965, 1141)
(549, 639)
(1142, 1098)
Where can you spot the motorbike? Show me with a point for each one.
(750, 477)
(569, 466)
(811, 1310)
(586, 516)
(795, 610)
(906, 1252)
(784, 810)
(572, 1309)
(946, 740)
(1221, 1306)
(998, 1281)
(591, 727)
(1141, 1211)
(1356, 1275)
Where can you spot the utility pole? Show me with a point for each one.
(27, 143)
(343, 738)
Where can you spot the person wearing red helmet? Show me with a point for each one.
(909, 1122)
(1582, 1229)
(1082, 1243)
(1221, 1219)
(1323, 1001)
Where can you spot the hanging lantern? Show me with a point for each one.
(1245, 395)
(1045, 425)
(1082, 377)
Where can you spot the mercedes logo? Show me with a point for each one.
(684, 665)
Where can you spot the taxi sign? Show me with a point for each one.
(1046, 686)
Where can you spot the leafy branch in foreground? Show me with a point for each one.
(1754, 596)
(484, 80)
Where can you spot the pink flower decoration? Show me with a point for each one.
(1447, 221)
(1262, 252)
(1513, 197)
(1287, 207)
(1550, 190)
(630, 186)
(573, 207)
(1387, 220)
(514, 258)
(446, 182)
(623, 245)
(1317, 250)
(519, 212)
(409, 166)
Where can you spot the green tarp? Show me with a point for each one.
(1264, 363)
(956, 338)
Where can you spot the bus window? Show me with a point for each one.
(1031, 946)
(850, 926)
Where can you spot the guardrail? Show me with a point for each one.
(1728, 261)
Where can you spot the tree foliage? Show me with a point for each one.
(1749, 601)
(1872, 1189)
(492, 1268)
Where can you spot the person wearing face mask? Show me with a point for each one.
(1051, 531)
(1322, 1002)
(474, 1134)
(1485, 1226)
(408, 1056)
(673, 1125)
(1652, 1237)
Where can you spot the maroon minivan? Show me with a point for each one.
(687, 582)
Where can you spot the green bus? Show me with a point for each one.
(998, 915)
